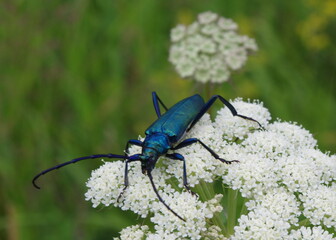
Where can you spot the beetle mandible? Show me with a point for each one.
(166, 133)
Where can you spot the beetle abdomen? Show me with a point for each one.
(176, 120)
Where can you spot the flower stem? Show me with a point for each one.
(206, 191)
(304, 222)
(243, 210)
(231, 210)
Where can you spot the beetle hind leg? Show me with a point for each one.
(211, 101)
(156, 102)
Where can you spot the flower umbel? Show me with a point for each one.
(209, 49)
(282, 188)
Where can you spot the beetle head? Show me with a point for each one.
(148, 160)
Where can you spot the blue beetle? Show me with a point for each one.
(165, 134)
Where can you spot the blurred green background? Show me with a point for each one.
(77, 76)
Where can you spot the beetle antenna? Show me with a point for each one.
(74, 161)
(160, 198)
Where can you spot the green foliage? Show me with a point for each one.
(76, 78)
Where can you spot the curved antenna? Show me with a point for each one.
(74, 161)
(159, 197)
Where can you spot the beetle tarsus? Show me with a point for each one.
(121, 193)
(227, 161)
(193, 193)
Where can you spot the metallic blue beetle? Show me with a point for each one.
(166, 133)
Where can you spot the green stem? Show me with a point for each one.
(207, 192)
(243, 210)
(304, 222)
(232, 210)
(173, 183)
(208, 189)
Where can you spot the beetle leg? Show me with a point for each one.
(190, 141)
(134, 142)
(208, 104)
(156, 101)
(129, 142)
(177, 156)
(126, 176)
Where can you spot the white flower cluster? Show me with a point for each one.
(315, 233)
(106, 183)
(135, 232)
(289, 185)
(209, 49)
(320, 205)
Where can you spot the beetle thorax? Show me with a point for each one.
(157, 143)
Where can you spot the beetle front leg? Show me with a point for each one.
(177, 156)
(190, 141)
(129, 142)
(134, 142)
(126, 175)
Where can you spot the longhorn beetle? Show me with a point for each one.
(166, 133)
